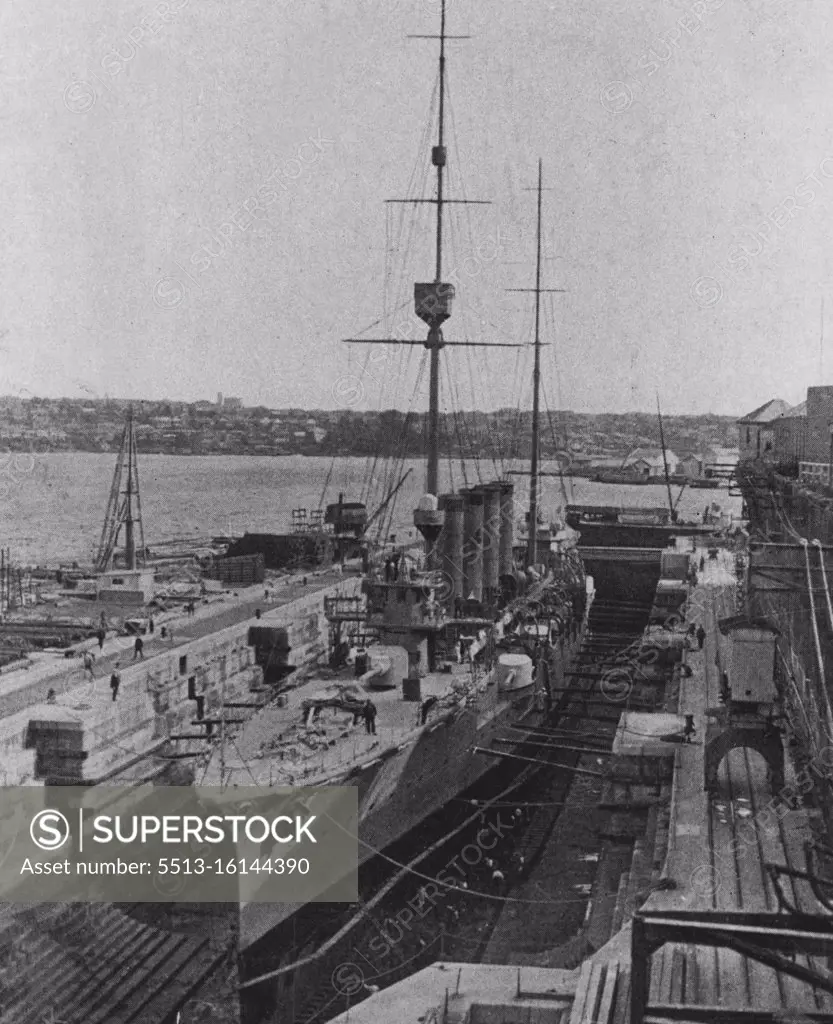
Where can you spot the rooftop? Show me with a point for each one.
(796, 410)
(766, 413)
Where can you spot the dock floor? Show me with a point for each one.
(26, 686)
(718, 846)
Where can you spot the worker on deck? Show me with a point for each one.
(50, 696)
(370, 717)
(115, 682)
(89, 658)
(701, 636)
(139, 649)
(689, 730)
(100, 635)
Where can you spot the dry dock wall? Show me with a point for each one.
(92, 737)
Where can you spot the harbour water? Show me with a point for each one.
(52, 505)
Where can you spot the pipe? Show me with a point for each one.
(506, 562)
(451, 541)
(491, 542)
(473, 545)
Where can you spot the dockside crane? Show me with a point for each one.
(124, 508)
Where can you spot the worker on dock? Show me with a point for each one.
(370, 717)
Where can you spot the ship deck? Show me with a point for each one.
(275, 747)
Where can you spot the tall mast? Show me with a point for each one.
(434, 343)
(433, 300)
(129, 540)
(665, 460)
(532, 556)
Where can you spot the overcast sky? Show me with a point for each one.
(686, 143)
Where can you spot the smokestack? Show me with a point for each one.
(507, 528)
(491, 542)
(452, 542)
(473, 545)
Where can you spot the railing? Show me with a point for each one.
(814, 473)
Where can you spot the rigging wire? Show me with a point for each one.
(819, 658)
(400, 230)
(457, 434)
(478, 384)
(817, 544)
(326, 483)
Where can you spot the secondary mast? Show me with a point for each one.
(532, 555)
(534, 474)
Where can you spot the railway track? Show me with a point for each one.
(743, 837)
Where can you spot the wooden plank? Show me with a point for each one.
(659, 969)
(611, 982)
(703, 987)
(676, 975)
(580, 998)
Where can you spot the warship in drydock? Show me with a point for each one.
(450, 648)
